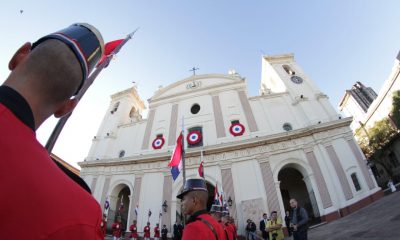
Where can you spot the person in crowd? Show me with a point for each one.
(146, 232)
(164, 232)
(251, 230)
(133, 230)
(299, 221)
(200, 225)
(229, 229)
(232, 223)
(263, 226)
(45, 76)
(275, 227)
(157, 232)
(117, 229)
(391, 185)
(287, 223)
(103, 224)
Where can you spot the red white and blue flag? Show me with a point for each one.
(216, 196)
(176, 159)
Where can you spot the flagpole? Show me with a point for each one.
(202, 162)
(183, 152)
(61, 123)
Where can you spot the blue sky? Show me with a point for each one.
(336, 43)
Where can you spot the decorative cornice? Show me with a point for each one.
(233, 151)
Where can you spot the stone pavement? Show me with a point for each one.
(377, 221)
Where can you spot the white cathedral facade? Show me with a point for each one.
(288, 142)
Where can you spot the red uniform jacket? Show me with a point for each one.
(133, 230)
(230, 230)
(146, 231)
(37, 189)
(103, 226)
(195, 229)
(156, 232)
(116, 227)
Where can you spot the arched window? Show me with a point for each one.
(115, 108)
(288, 69)
(355, 181)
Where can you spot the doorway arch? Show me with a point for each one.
(119, 205)
(295, 183)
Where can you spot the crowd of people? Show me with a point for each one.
(296, 223)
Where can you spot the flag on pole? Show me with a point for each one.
(137, 210)
(176, 159)
(201, 167)
(216, 195)
(121, 206)
(221, 198)
(201, 170)
(107, 204)
(108, 49)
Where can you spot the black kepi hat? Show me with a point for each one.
(84, 40)
(193, 184)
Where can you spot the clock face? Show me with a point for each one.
(296, 79)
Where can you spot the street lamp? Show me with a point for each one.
(230, 201)
(165, 206)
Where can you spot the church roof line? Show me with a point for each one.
(156, 96)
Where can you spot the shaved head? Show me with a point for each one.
(52, 70)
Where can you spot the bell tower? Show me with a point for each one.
(281, 74)
(126, 107)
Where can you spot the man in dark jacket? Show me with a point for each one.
(251, 229)
(263, 226)
(299, 221)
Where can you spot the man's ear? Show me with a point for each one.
(66, 108)
(19, 55)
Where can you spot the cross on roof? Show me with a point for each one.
(194, 70)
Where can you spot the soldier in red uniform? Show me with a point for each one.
(133, 229)
(117, 229)
(44, 78)
(232, 223)
(229, 229)
(103, 224)
(157, 232)
(146, 231)
(200, 225)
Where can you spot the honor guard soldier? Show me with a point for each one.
(44, 78)
(117, 229)
(157, 232)
(133, 229)
(103, 224)
(200, 225)
(146, 231)
(164, 232)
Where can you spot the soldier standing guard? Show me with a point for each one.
(133, 229)
(200, 225)
(117, 231)
(157, 232)
(146, 231)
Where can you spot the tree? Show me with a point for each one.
(395, 113)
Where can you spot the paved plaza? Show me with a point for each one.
(379, 220)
